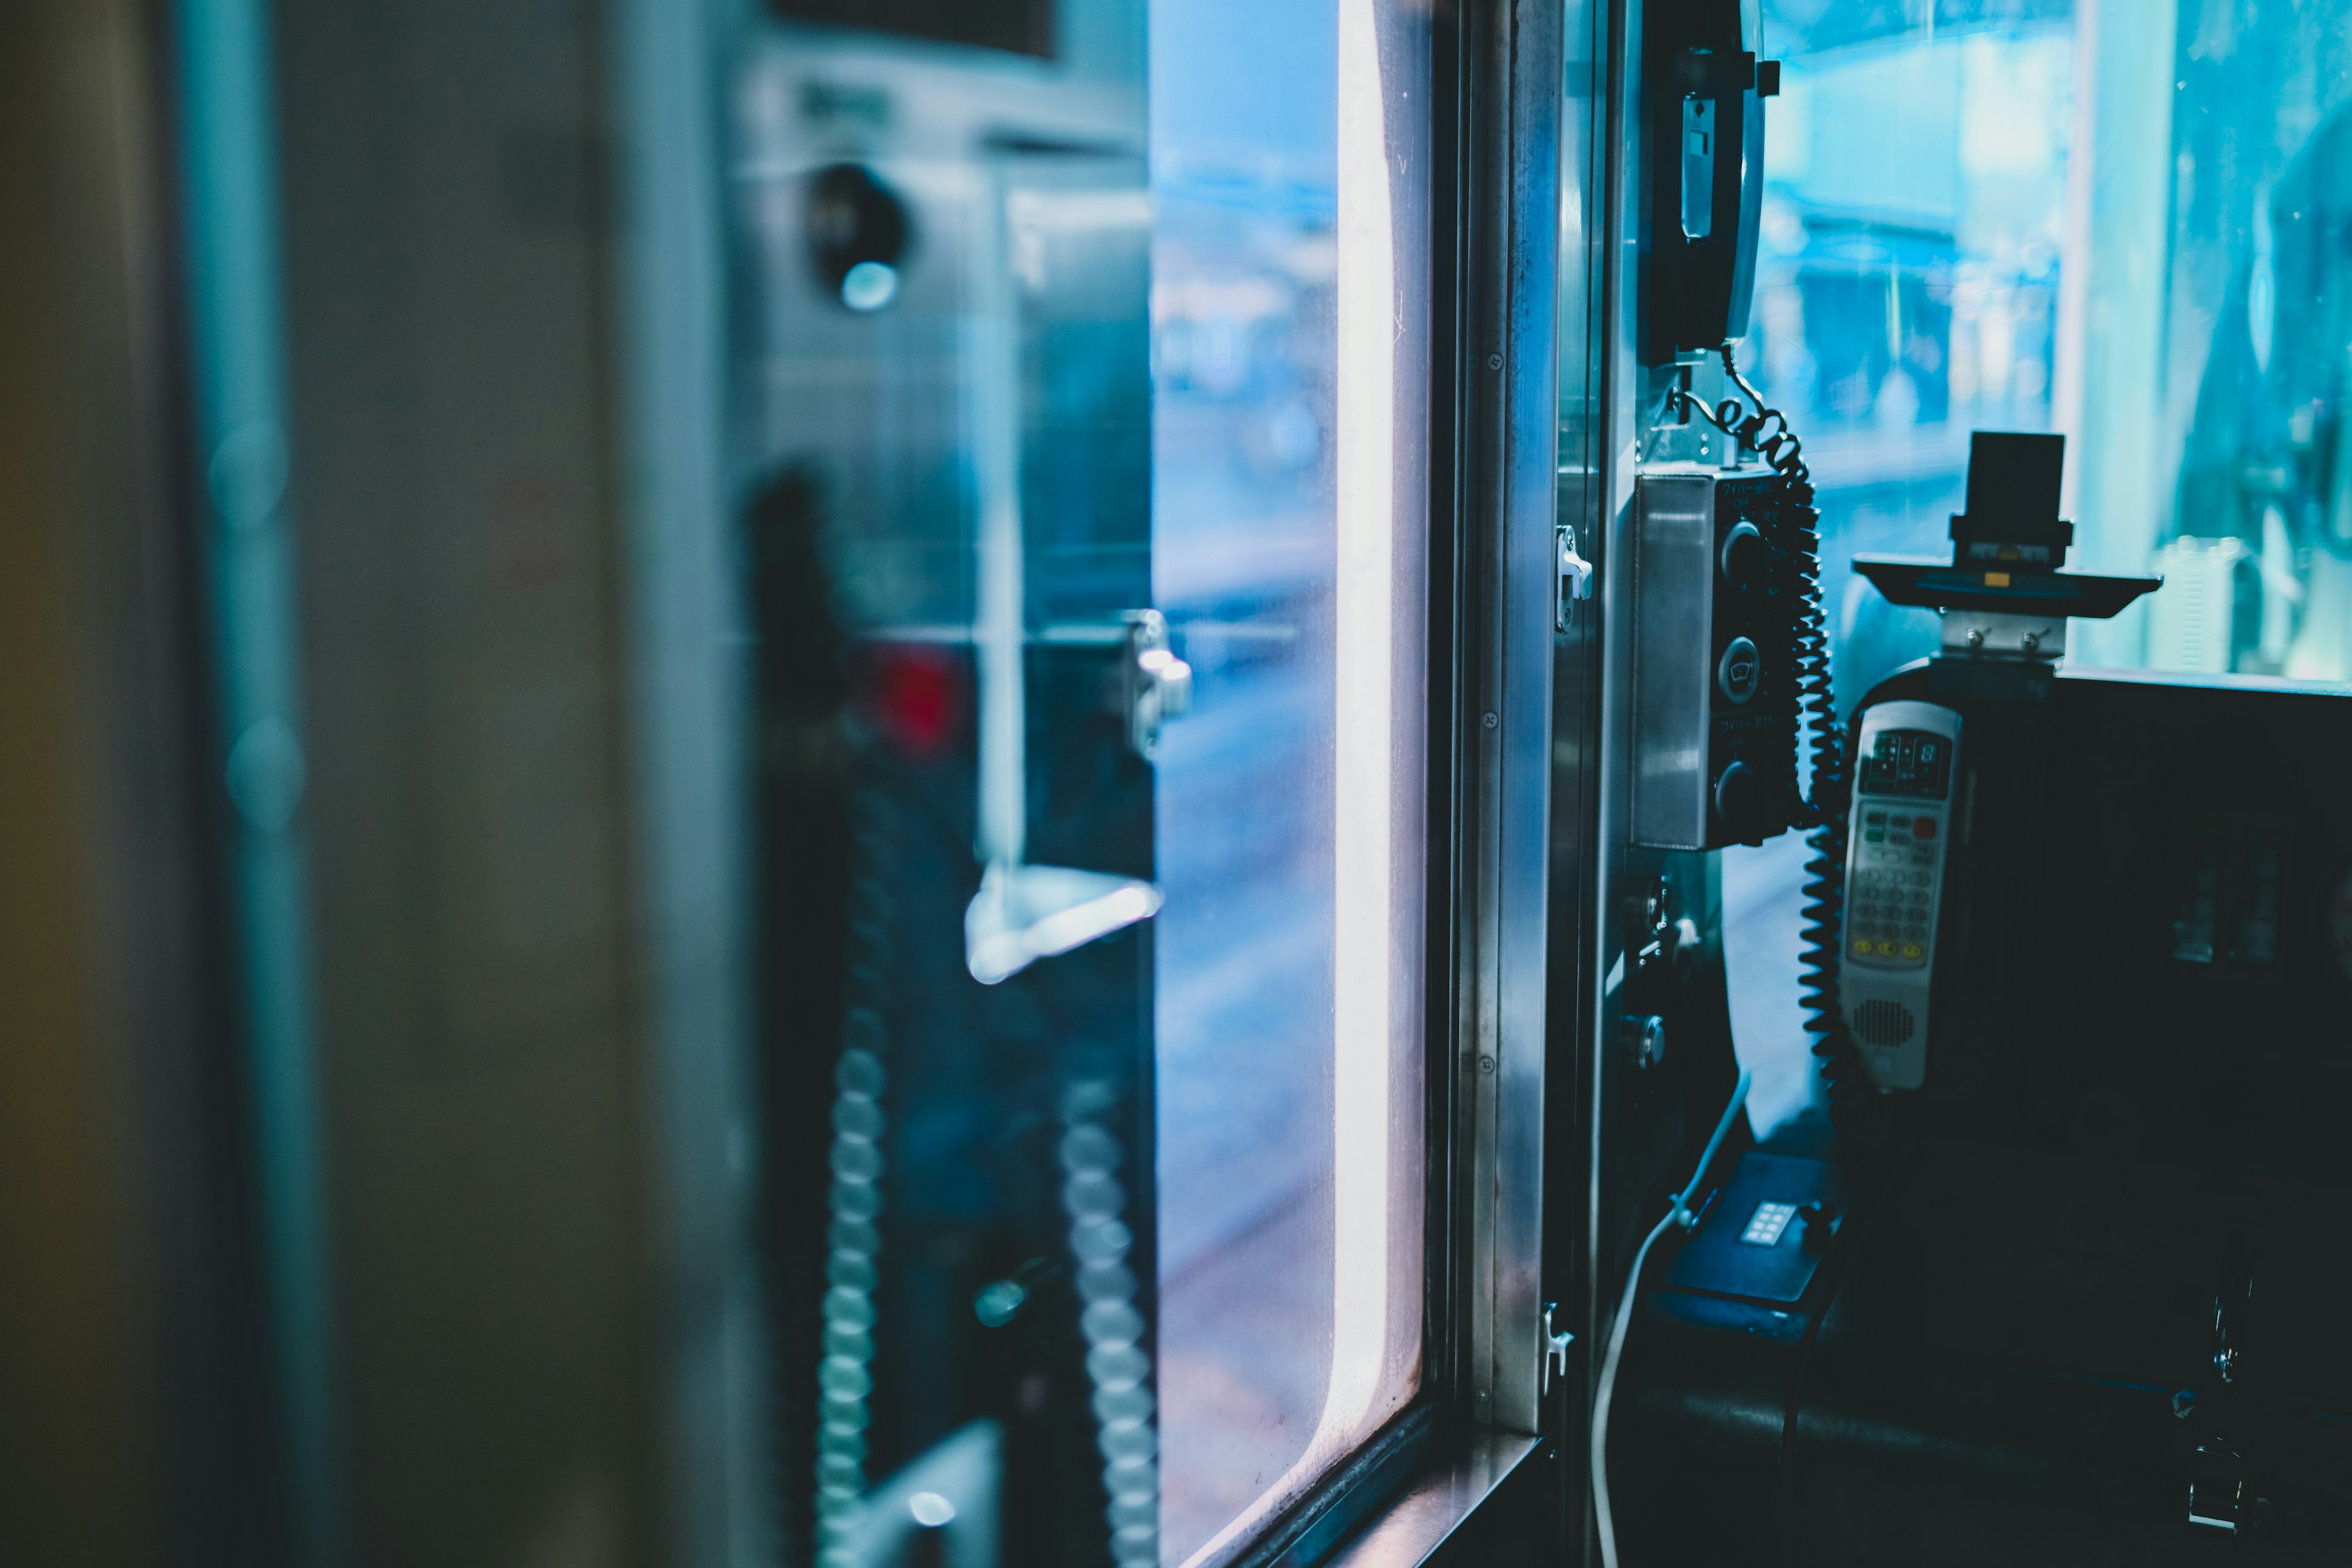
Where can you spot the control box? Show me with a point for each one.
(1717, 598)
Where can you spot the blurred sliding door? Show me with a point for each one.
(1081, 384)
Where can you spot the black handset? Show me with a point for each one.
(1704, 129)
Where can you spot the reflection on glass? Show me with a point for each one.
(2252, 441)
(1289, 813)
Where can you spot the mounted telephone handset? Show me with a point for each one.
(1728, 654)
(1705, 166)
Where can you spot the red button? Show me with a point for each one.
(1924, 828)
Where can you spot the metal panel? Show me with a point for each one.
(1515, 236)
(1673, 603)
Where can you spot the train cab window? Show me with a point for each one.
(1085, 405)
(1290, 536)
(2057, 217)
(1911, 279)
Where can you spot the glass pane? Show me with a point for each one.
(1287, 532)
(2214, 429)
(2125, 225)
(1909, 292)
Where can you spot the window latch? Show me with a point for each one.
(1555, 1354)
(1575, 578)
(1154, 684)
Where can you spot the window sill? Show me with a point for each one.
(1427, 1513)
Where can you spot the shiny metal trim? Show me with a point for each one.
(1420, 1521)
(1673, 603)
(1513, 552)
(1615, 459)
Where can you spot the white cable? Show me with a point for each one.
(1678, 1214)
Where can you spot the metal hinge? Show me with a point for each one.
(1555, 1347)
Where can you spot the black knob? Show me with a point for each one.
(1740, 671)
(1743, 555)
(1740, 800)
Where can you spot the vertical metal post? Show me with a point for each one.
(1509, 565)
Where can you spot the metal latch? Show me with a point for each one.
(1555, 1355)
(1155, 686)
(1575, 578)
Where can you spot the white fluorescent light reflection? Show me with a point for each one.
(1365, 807)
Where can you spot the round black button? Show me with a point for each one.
(1740, 800)
(1743, 555)
(1740, 671)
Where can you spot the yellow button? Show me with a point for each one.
(1912, 950)
(1996, 579)
(1863, 950)
(1885, 950)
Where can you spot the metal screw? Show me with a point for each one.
(1494, 362)
(1485, 1064)
(1976, 637)
(2030, 641)
(1490, 721)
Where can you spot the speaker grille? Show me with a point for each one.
(1884, 1023)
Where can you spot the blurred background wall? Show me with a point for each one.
(490, 1190)
(132, 1404)
(446, 195)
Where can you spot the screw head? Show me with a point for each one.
(1494, 362)
(1976, 637)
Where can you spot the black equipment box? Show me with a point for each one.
(2087, 1295)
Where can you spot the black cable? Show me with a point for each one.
(1822, 806)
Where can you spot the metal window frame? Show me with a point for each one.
(1514, 719)
(1510, 820)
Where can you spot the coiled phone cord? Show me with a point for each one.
(1823, 808)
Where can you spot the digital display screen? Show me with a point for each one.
(1914, 763)
(1022, 26)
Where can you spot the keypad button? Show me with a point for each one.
(1912, 950)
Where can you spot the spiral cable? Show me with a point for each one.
(1821, 804)
(845, 1378)
(1117, 1365)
